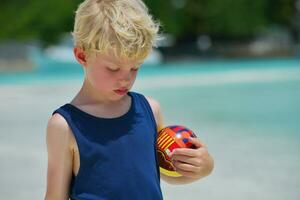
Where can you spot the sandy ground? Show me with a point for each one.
(246, 167)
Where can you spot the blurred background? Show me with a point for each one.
(229, 70)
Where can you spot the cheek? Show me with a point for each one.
(100, 79)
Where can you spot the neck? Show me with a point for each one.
(88, 95)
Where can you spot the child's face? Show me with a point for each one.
(111, 76)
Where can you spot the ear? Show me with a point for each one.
(80, 55)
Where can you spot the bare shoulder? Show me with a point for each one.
(155, 106)
(156, 109)
(58, 131)
(57, 121)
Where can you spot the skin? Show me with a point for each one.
(99, 98)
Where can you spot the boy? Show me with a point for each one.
(101, 145)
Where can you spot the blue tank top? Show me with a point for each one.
(117, 156)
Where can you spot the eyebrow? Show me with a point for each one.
(119, 64)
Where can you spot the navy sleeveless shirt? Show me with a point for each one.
(117, 156)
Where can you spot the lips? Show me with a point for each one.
(122, 91)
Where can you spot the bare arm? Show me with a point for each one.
(193, 164)
(60, 157)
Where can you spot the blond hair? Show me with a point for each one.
(124, 26)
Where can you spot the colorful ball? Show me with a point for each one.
(170, 138)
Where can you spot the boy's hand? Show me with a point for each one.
(193, 163)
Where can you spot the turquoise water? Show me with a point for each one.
(266, 108)
(60, 71)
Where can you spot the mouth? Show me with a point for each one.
(121, 91)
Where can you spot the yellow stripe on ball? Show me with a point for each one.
(169, 173)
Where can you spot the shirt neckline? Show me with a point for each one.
(80, 111)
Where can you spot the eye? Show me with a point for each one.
(113, 69)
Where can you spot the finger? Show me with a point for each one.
(197, 142)
(185, 152)
(185, 167)
(186, 173)
(186, 159)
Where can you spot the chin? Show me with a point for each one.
(117, 97)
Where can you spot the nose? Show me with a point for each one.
(125, 76)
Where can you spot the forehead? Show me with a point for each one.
(110, 58)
